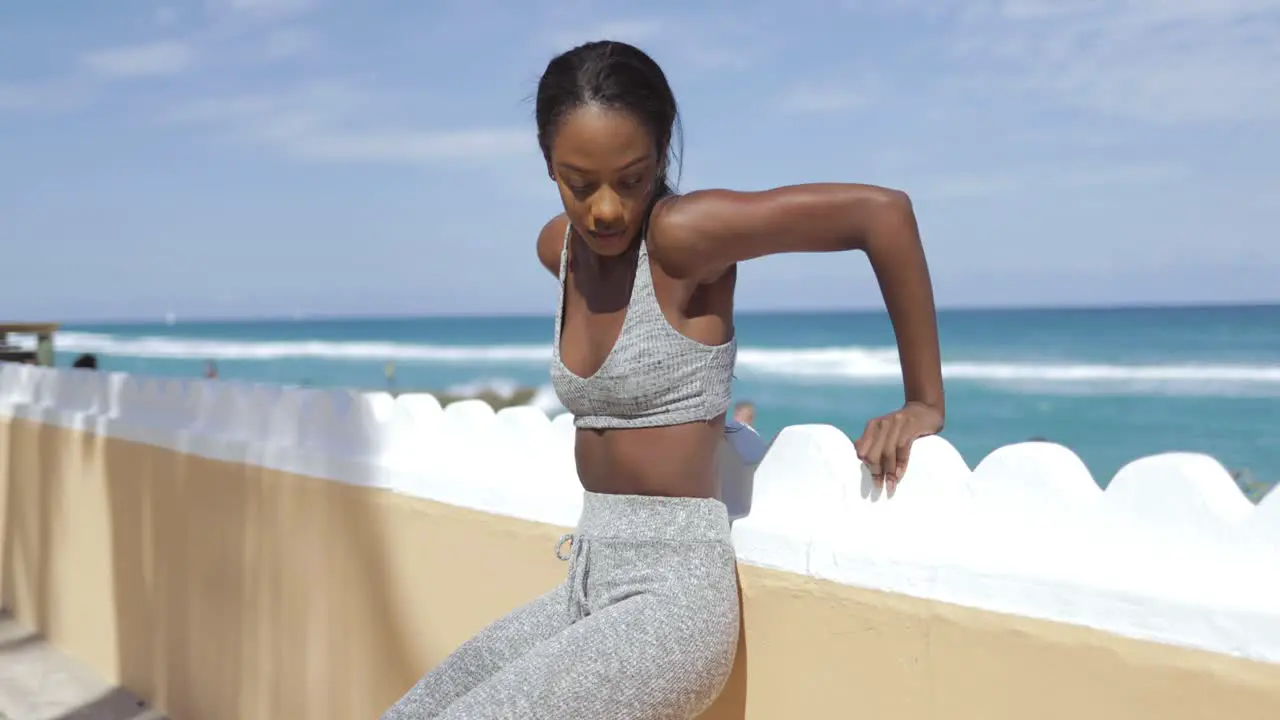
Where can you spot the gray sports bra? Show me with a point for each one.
(653, 376)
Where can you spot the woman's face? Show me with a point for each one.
(605, 163)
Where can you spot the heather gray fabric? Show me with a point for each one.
(644, 628)
(653, 376)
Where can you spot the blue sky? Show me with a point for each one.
(251, 157)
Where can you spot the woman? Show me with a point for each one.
(646, 626)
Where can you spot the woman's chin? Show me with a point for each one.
(609, 245)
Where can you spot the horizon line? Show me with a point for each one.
(394, 316)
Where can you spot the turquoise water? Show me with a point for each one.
(1112, 384)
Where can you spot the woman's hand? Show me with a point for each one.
(886, 442)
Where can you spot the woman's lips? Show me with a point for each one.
(608, 237)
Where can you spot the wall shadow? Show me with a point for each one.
(364, 552)
(238, 587)
(25, 565)
(242, 593)
(732, 703)
(9, 515)
(49, 515)
(139, 620)
(117, 704)
(178, 575)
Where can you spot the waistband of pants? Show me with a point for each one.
(652, 517)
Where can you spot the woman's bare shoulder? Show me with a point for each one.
(551, 242)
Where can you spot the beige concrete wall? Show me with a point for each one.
(229, 592)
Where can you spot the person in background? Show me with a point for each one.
(745, 413)
(87, 361)
(390, 372)
(211, 370)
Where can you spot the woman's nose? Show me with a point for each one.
(607, 211)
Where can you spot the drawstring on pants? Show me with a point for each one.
(577, 582)
(566, 538)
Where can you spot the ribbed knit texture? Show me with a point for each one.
(644, 628)
(653, 376)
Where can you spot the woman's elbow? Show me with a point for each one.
(889, 220)
(894, 206)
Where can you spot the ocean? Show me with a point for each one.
(1112, 384)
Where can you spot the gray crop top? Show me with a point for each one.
(653, 376)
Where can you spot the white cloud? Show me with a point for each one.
(1158, 61)
(634, 31)
(171, 57)
(319, 122)
(301, 110)
(14, 96)
(264, 9)
(425, 147)
(810, 97)
(165, 15)
(700, 43)
(1039, 179)
(152, 59)
(289, 42)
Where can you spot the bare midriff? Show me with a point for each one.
(673, 461)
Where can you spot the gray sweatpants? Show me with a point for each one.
(645, 626)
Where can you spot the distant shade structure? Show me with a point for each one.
(737, 458)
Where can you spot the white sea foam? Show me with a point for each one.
(849, 364)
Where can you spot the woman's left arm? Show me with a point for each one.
(700, 235)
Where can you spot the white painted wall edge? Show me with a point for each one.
(1160, 557)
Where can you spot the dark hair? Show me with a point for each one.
(617, 76)
(87, 361)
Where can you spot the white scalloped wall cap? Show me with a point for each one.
(414, 418)
(1177, 492)
(1171, 551)
(1030, 532)
(1264, 526)
(800, 484)
(513, 462)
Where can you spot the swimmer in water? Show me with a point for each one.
(646, 624)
